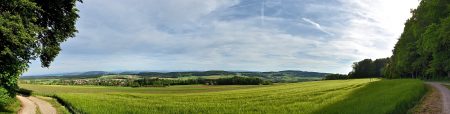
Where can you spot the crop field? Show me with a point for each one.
(55, 89)
(338, 96)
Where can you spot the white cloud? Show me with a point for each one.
(207, 35)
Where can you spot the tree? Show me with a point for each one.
(362, 69)
(437, 42)
(31, 29)
(379, 66)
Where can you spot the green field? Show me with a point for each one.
(338, 96)
(55, 89)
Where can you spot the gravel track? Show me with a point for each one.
(445, 96)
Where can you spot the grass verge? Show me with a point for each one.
(381, 97)
(429, 104)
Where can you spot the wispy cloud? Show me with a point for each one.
(317, 25)
(227, 35)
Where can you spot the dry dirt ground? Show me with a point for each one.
(437, 101)
(30, 103)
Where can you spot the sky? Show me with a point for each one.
(251, 35)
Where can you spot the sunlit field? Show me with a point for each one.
(341, 96)
(54, 89)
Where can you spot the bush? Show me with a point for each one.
(24, 91)
(336, 77)
(5, 97)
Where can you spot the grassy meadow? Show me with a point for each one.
(337, 96)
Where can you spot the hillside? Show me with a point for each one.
(279, 76)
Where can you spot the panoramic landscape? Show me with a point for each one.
(225, 56)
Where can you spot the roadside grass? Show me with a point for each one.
(447, 85)
(381, 97)
(336, 96)
(429, 104)
(13, 108)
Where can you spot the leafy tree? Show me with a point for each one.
(368, 68)
(31, 29)
(361, 69)
(437, 42)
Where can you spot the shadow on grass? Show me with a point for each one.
(380, 97)
(11, 108)
(4, 110)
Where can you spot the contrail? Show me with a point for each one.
(317, 25)
(262, 12)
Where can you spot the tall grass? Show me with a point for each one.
(337, 96)
(381, 97)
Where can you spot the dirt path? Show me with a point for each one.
(28, 106)
(445, 96)
(33, 102)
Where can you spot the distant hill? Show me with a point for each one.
(94, 74)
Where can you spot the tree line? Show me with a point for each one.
(366, 68)
(423, 50)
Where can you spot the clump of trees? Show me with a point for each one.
(368, 68)
(423, 50)
(238, 80)
(336, 77)
(158, 82)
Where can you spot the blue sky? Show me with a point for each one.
(256, 35)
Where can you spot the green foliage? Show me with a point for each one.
(368, 68)
(5, 98)
(363, 95)
(31, 29)
(423, 50)
(336, 77)
(12, 108)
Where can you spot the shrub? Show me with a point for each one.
(24, 91)
(5, 97)
(336, 77)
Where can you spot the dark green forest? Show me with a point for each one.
(423, 50)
